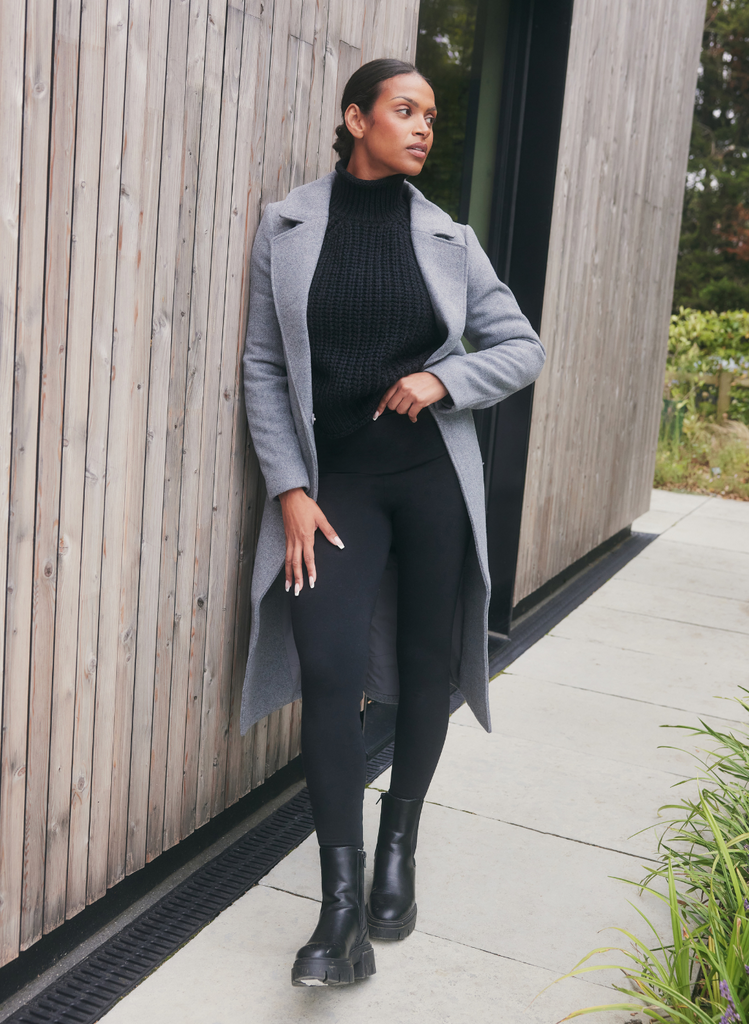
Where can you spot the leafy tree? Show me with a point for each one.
(713, 265)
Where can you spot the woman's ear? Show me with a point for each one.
(354, 121)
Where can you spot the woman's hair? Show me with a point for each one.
(363, 88)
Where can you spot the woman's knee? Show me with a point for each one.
(327, 679)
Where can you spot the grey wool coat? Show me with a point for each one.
(468, 299)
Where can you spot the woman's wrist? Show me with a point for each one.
(289, 495)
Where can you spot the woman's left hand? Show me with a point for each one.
(411, 394)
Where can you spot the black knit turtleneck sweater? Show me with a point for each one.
(369, 315)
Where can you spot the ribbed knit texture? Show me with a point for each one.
(369, 316)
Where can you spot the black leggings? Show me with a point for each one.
(420, 512)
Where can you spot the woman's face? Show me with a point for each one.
(396, 136)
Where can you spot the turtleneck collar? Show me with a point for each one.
(372, 200)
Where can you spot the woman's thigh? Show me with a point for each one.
(331, 623)
(431, 533)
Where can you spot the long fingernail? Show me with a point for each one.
(312, 582)
(297, 588)
(376, 416)
(339, 542)
(288, 586)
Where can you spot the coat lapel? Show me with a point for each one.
(294, 255)
(439, 249)
(441, 254)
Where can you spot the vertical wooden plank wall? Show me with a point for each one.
(142, 139)
(617, 209)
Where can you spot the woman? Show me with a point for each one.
(360, 293)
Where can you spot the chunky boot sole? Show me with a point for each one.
(327, 971)
(392, 930)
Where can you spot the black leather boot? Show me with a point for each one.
(391, 911)
(339, 951)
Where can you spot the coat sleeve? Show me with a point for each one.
(509, 354)
(266, 383)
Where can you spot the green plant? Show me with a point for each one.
(700, 974)
(704, 458)
(696, 453)
(704, 344)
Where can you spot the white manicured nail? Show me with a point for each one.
(376, 415)
(288, 586)
(339, 542)
(297, 588)
(312, 582)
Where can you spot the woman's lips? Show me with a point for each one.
(417, 150)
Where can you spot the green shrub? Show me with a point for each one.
(699, 974)
(706, 343)
(695, 453)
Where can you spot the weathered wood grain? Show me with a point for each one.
(201, 411)
(133, 324)
(107, 237)
(162, 479)
(12, 759)
(126, 447)
(617, 207)
(49, 458)
(12, 25)
(20, 560)
(73, 456)
(231, 423)
(239, 32)
(317, 127)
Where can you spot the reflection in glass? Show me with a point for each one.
(461, 47)
(444, 53)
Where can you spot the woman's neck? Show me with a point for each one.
(368, 199)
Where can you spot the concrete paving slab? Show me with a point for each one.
(558, 791)
(726, 534)
(725, 509)
(691, 568)
(237, 969)
(672, 501)
(499, 887)
(656, 521)
(620, 731)
(635, 632)
(464, 715)
(698, 686)
(675, 603)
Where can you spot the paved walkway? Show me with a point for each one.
(524, 828)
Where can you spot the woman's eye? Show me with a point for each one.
(430, 118)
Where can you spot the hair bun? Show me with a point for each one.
(344, 144)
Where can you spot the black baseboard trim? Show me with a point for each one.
(84, 992)
(566, 575)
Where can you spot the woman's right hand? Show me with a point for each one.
(301, 517)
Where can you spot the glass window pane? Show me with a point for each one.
(444, 53)
(460, 48)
